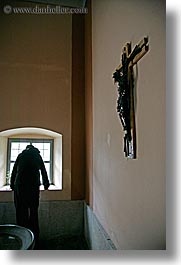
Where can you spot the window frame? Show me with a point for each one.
(31, 140)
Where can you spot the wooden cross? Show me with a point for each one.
(124, 76)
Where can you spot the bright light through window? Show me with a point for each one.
(16, 146)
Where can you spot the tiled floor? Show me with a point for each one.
(63, 243)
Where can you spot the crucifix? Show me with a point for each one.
(124, 77)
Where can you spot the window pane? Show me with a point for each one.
(11, 167)
(15, 145)
(47, 166)
(46, 155)
(44, 149)
(8, 175)
(14, 154)
(23, 145)
(17, 148)
(38, 145)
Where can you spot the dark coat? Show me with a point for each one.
(26, 170)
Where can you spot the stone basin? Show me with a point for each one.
(14, 237)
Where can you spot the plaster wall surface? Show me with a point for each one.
(129, 195)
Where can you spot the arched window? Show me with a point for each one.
(17, 145)
(14, 141)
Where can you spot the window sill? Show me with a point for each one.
(52, 187)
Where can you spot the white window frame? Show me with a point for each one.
(30, 141)
(33, 132)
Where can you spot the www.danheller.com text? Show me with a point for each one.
(44, 10)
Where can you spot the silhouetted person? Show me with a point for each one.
(25, 181)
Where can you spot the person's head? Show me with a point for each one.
(30, 147)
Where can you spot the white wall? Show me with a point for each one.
(129, 195)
